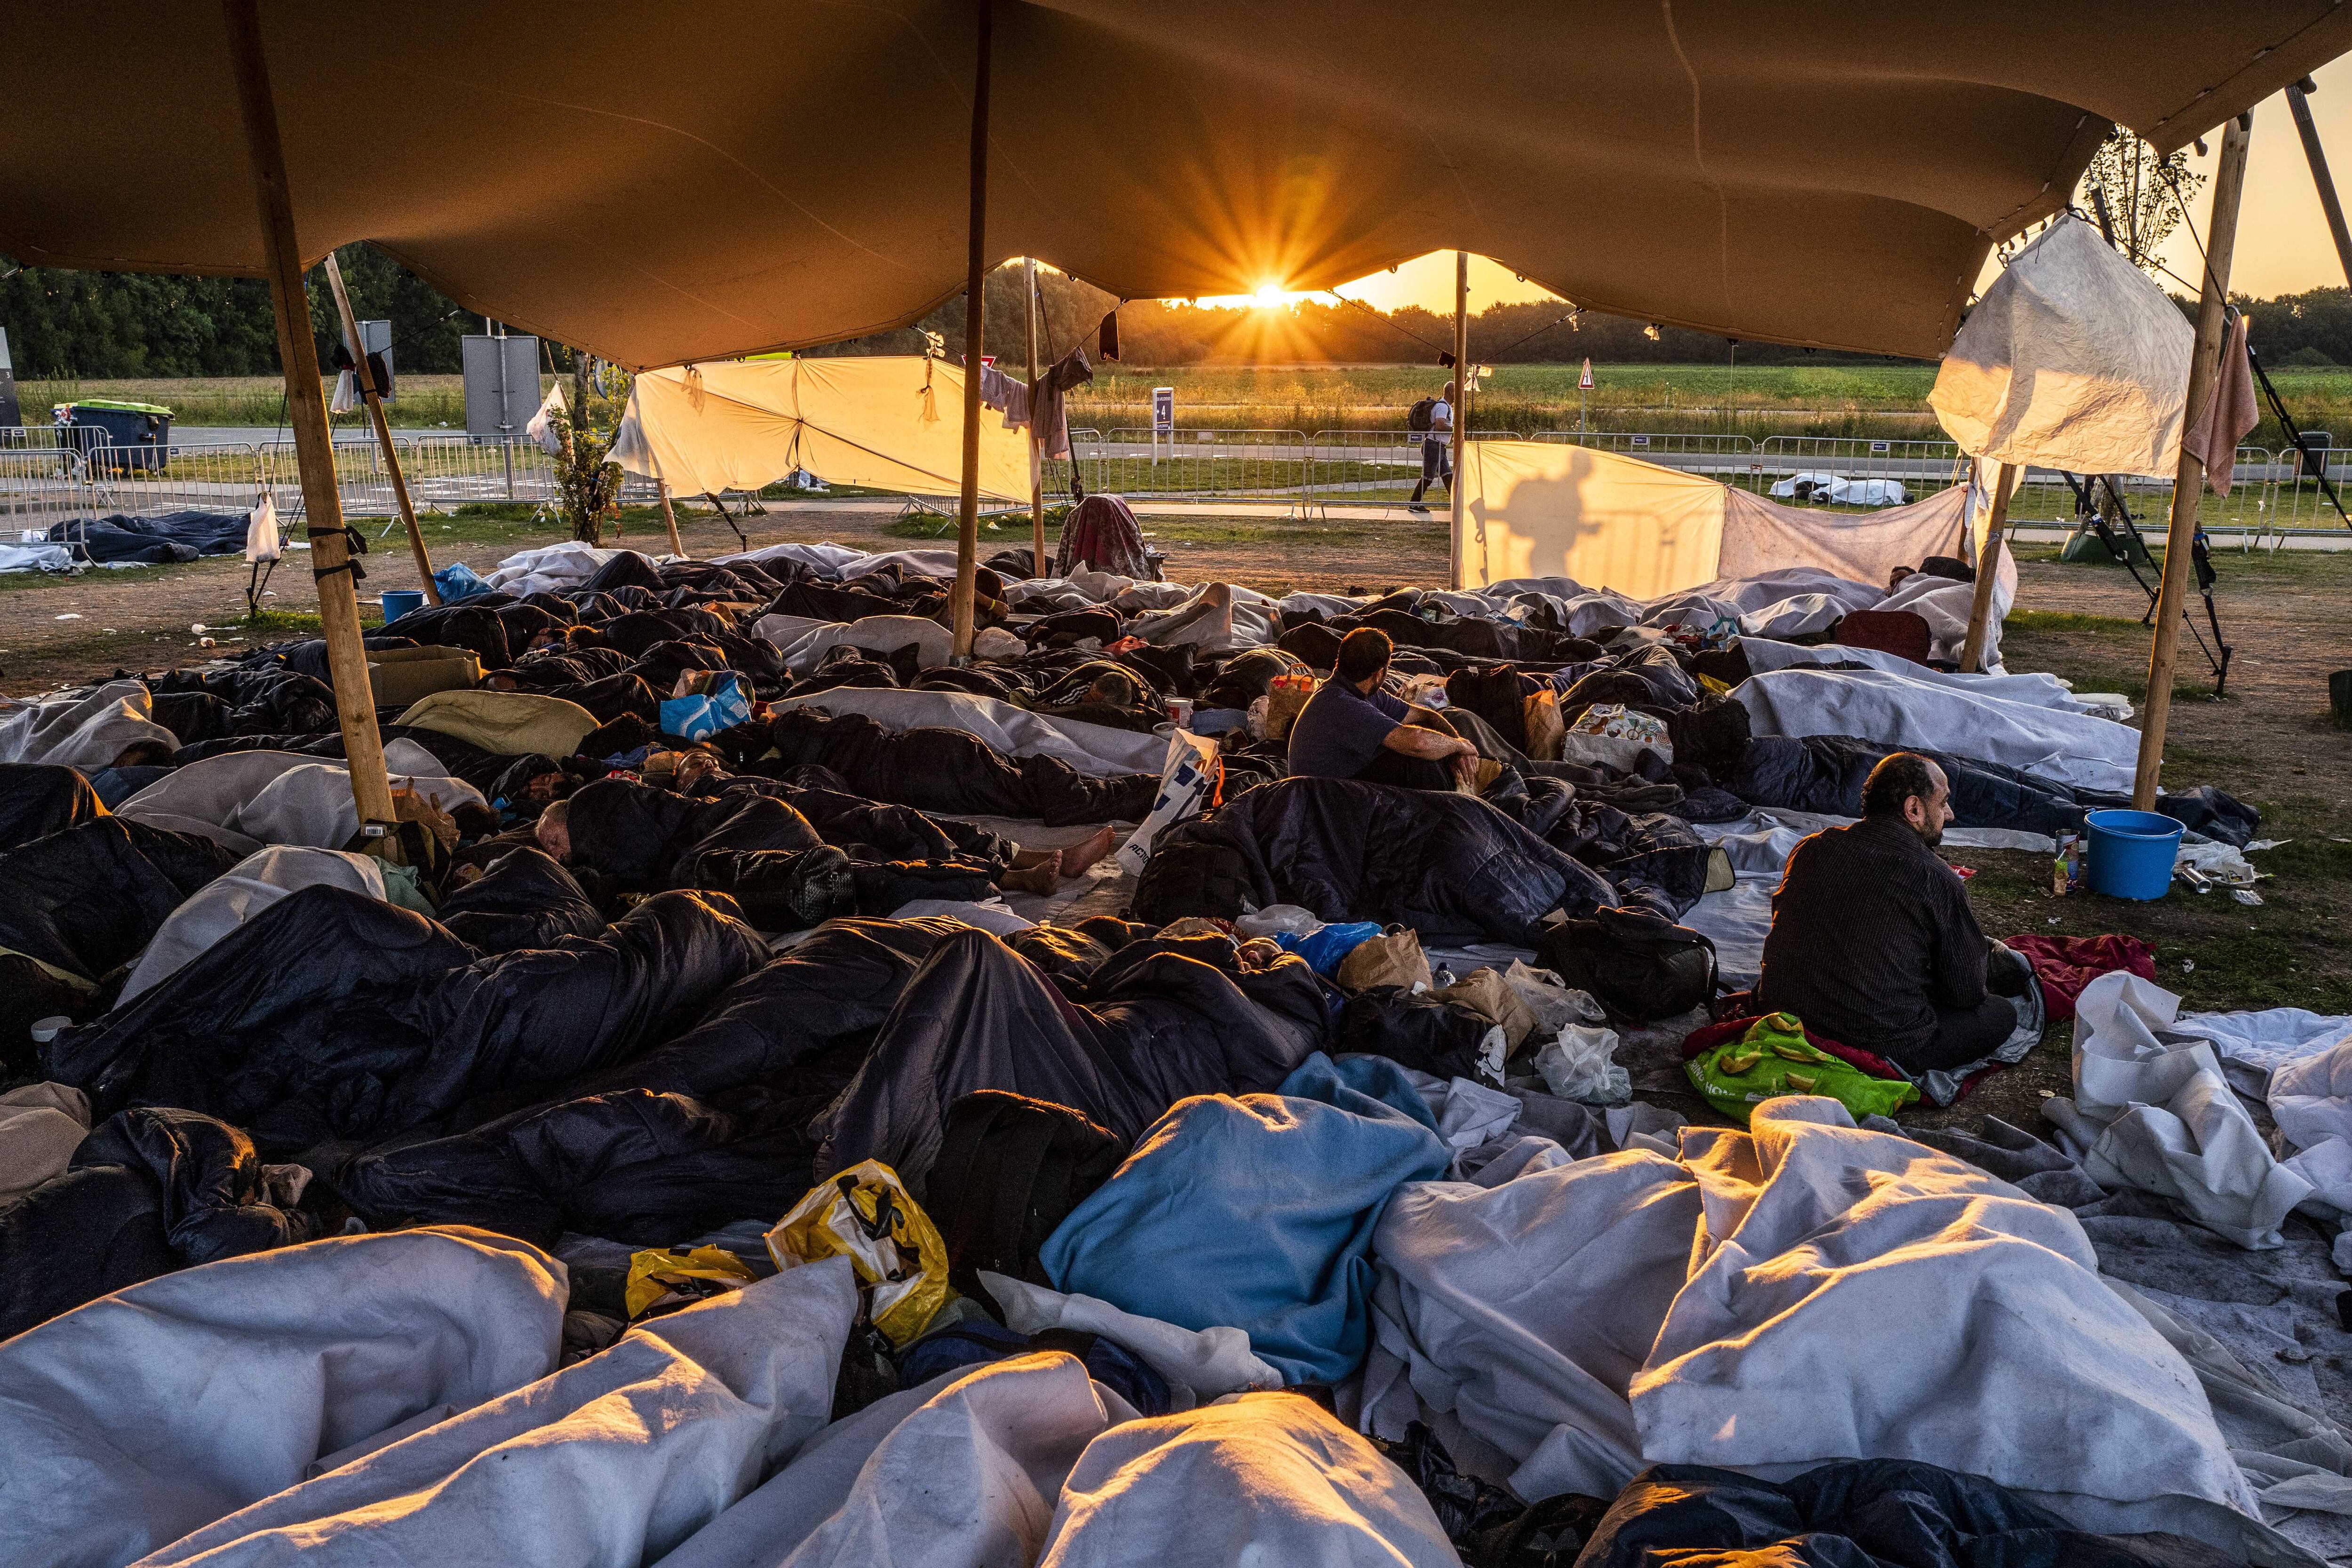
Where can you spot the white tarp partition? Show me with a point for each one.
(1546, 510)
(883, 422)
(2073, 360)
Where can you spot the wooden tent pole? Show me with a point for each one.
(669, 520)
(306, 411)
(372, 395)
(2204, 373)
(1988, 561)
(1036, 451)
(2317, 156)
(1461, 401)
(975, 322)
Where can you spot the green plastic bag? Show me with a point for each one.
(1774, 1058)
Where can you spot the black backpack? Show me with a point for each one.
(1639, 965)
(1009, 1171)
(1424, 415)
(1188, 876)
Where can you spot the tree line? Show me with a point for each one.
(112, 325)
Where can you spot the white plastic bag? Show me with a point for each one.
(1554, 1002)
(1188, 782)
(1577, 1064)
(1275, 918)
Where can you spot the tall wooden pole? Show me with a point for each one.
(2317, 156)
(975, 322)
(2204, 374)
(1988, 564)
(373, 397)
(1036, 450)
(1460, 402)
(669, 521)
(305, 410)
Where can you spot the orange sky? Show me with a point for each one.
(2282, 242)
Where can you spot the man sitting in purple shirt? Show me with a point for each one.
(1351, 729)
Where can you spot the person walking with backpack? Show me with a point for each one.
(1434, 416)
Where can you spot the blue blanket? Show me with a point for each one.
(1256, 1213)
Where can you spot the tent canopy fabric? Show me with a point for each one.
(888, 423)
(636, 181)
(1541, 509)
(2073, 359)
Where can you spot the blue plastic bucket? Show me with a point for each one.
(2132, 853)
(398, 602)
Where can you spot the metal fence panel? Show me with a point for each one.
(1232, 465)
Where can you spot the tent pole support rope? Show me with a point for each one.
(669, 520)
(2187, 485)
(1036, 451)
(1459, 576)
(2317, 156)
(374, 397)
(332, 564)
(1988, 560)
(975, 325)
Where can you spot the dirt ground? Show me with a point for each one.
(2269, 741)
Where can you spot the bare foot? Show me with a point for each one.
(1078, 857)
(1042, 879)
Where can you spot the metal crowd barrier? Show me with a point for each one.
(45, 479)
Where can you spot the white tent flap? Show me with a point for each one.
(2073, 359)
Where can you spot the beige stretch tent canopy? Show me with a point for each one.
(663, 181)
(886, 422)
(1541, 509)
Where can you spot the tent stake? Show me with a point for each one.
(1988, 558)
(1461, 405)
(2204, 371)
(373, 397)
(1036, 450)
(975, 323)
(306, 409)
(2317, 157)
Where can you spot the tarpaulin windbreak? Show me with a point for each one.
(643, 182)
(886, 423)
(1540, 508)
(2074, 359)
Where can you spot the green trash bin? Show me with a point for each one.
(118, 436)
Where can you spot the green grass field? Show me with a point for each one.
(1881, 401)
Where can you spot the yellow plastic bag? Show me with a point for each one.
(657, 1275)
(865, 1214)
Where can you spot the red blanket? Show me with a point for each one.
(2065, 964)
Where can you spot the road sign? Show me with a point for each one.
(1584, 381)
(1164, 410)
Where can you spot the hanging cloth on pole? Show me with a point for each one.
(2229, 414)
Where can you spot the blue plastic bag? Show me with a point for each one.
(1324, 951)
(699, 717)
(457, 582)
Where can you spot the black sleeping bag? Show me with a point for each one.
(939, 769)
(37, 798)
(388, 1022)
(708, 1127)
(1151, 1025)
(1857, 1513)
(148, 1192)
(523, 898)
(642, 835)
(640, 1168)
(1825, 774)
(46, 908)
(1451, 867)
